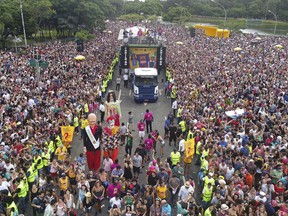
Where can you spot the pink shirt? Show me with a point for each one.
(141, 126)
(112, 190)
(148, 144)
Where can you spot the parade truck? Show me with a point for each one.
(139, 56)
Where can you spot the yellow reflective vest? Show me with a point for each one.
(207, 194)
(175, 157)
(38, 161)
(15, 209)
(183, 126)
(76, 121)
(51, 147)
(30, 174)
(23, 191)
(46, 158)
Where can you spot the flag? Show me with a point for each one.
(189, 147)
(67, 133)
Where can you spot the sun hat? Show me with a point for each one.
(224, 207)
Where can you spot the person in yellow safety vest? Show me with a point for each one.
(204, 164)
(38, 161)
(22, 193)
(76, 123)
(24, 180)
(51, 146)
(46, 156)
(205, 152)
(173, 94)
(83, 124)
(179, 114)
(207, 194)
(103, 89)
(209, 179)
(198, 153)
(30, 175)
(58, 141)
(183, 126)
(109, 76)
(11, 209)
(190, 135)
(86, 109)
(210, 211)
(175, 157)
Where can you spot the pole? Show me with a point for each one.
(225, 12)
(276, 21)
(23, 23)
(182, 9)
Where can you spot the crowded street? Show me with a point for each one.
(215, 142)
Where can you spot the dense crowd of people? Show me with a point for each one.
(242, 158)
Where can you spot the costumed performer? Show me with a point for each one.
(91, 139)
(112, 107)
(111, 139)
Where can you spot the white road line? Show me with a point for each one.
(130, 92)
(119, 95)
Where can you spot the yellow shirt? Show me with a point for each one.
(64, 183)
(161, 191)
(61, 152)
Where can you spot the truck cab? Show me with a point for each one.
(145, 84)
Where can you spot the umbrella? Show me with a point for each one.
(258, 38)
(237, 49)
(279, 46)
(179, 42)
(79, 57)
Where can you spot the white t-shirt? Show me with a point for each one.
(174, 105)
(181, 145)
(125, 77)
(184, 192)
(9, 167)
(107, 164)
(117, 202)
(5, 186)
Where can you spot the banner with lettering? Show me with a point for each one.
(161, 57)
(124, 57)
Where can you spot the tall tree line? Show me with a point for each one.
(70, 16)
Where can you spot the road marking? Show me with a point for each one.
(130, 92)
(160, 92)
(119, 95)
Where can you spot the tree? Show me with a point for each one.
(118, 5)
(151, 7)
(86, 15)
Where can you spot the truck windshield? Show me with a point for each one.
(146, 80)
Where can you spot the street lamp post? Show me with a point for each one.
(23, 23)
(220, 5)
(275, 26)
(182, 9)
